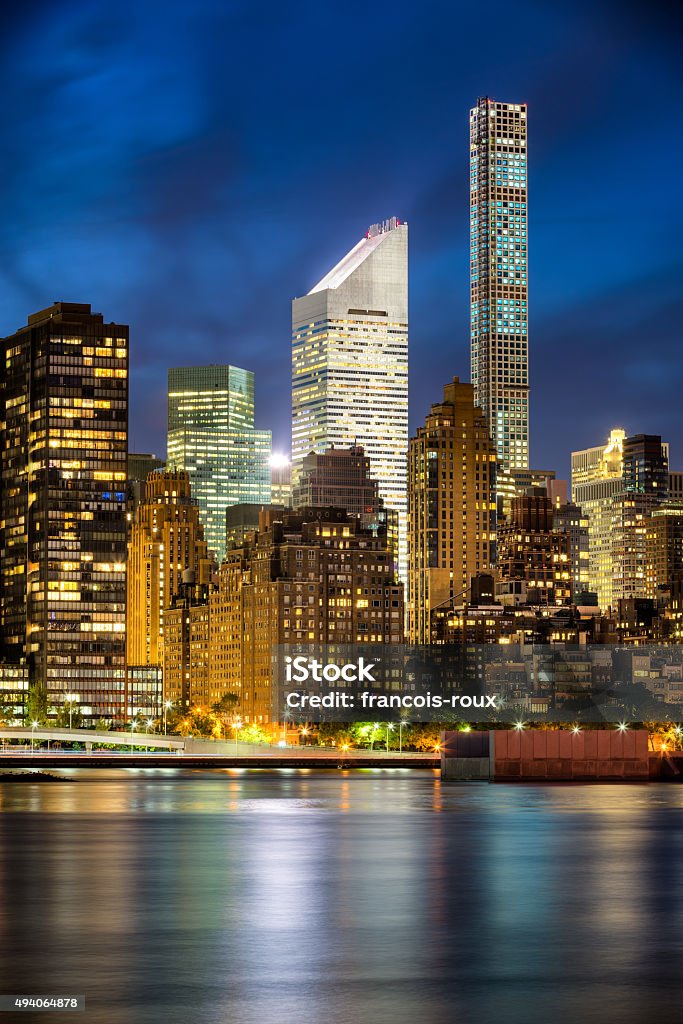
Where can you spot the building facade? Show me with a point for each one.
(350, 363)
(166, 544)
(63, 549)
(312, 576)
(498, 275)
(451, 505)
(532, 550)
(617, 486)
(568, 518)
(211, 435)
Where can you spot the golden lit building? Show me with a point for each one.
(312, 576)
(664, 543)
(166, 548)
(451, 505)
(530, 549)
(186, 651)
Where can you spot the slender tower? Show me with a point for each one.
(498, 275)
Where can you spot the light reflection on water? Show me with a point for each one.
(343, 897)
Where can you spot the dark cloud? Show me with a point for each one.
(189, 169)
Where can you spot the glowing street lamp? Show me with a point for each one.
(69, 699)
(576, 730)
(623, 726)
(236, 726)
(34, 726)
(167, 707)
(519, 726)
(390, 728)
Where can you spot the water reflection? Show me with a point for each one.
(247, 897)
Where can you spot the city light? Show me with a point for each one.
(623, 726)
(278, 461)
(519, 726)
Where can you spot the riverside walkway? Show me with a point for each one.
(183, 752)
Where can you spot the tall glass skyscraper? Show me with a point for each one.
(498, 275)
(211, 434)
(64, 425)
(350, 363)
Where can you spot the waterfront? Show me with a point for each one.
(377, 896)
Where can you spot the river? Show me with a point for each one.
(370, 897)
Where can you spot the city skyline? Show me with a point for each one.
(167, 206)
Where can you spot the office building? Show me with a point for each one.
(569, 519)
(664, 544)
(451, 505)
(350, 363)
(166, 544)
(498, 275)
(211, 435)
(63, 547)
(617, 486)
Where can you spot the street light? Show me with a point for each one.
(34, 726)
(69, 699)
(390, 728)
(132, 730)
(237, 725)
(167, 707)
(400, 733)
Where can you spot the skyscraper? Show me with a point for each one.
(350, 363)
(63, 549)
(498, 275)
(617, 486)
(211, 434)
(166, 543)
(451, 506)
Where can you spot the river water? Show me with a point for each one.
(373, 897)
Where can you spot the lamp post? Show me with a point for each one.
(400, 734)
(132, 730)
(69, 699)
(34, 726)
(390, 728)
(167, 707)
(236, 726)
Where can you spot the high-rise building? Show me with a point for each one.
(211, 434)
(63, 549)
(280, 480)
(166, 543)
(617, 486)
(310, 576)
(532, 550)
(597, 477)
(570, 520)
(664, 541)
(451, 505)
(350, 363)
(498, 275)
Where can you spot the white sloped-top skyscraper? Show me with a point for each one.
(350, 363)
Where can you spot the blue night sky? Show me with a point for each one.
(190, 168)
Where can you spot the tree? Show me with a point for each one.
(224, 709)
(35, 708)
